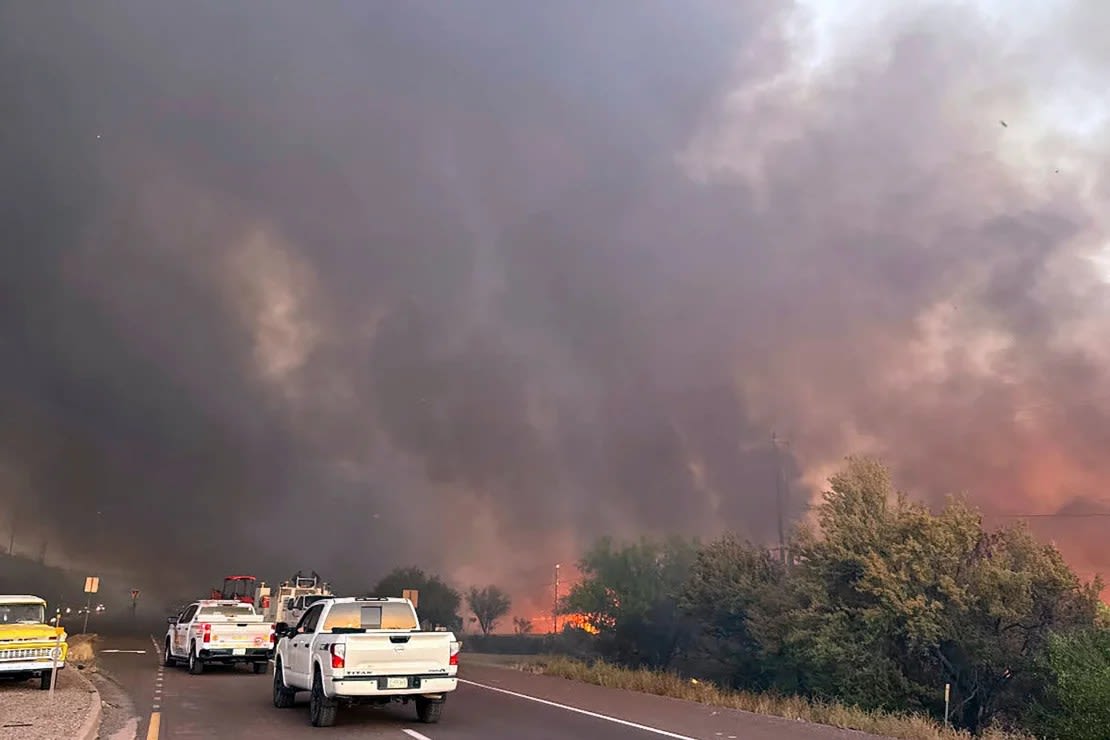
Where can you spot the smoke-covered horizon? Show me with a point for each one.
(351, 286)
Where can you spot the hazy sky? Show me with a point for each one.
(343, 286)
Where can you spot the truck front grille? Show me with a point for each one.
(25, 653)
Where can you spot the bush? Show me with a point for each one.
(1077, 706)
(886, 724)
(570, 642)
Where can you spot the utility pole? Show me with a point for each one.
(555, 609)
(780, 498)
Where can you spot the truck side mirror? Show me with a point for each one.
(171, 620)
(281, 629)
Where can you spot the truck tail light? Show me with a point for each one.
(338, 655)
(207, 630)
(273, 637)
(455, 646)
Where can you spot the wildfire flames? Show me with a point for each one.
(574, 621)
(579, 621)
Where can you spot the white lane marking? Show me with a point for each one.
(137, 652)
(415, 734)
(595, 715)
(154, 728)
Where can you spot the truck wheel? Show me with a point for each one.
(258, 668)
(321, 709)
(167, 657)
(44, 680)
(196, 665)
(283, 696)
(428, 711)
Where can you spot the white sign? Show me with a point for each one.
(92, 584)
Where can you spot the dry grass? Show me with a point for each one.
(906, 727)
(82, 649)
(502, 660)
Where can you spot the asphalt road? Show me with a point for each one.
(490, 704)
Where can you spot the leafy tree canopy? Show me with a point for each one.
(489, 604)
(1078, 702)
(896, 601)
(438, 603)
(629, 593)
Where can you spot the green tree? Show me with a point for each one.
(489, 604)
(895, 601)
(629, 593)
(438, 603)
(734, 590)
(1077, 706)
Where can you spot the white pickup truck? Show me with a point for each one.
(364, 650)
(219, 631)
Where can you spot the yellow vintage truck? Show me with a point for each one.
(28, 645)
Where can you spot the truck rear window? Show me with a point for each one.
(230, 612)
(356, 616)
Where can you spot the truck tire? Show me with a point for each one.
(259, 668)
(167, 658)
(321, 709)
(196, 665)
(428, 711)
(44, 680)
(283, 695)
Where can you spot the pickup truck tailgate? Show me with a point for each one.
(225, 636)
(407, 653)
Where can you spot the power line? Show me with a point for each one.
(1062, 515)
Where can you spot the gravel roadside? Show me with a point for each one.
(26, 712)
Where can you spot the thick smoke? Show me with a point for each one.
(353, 285)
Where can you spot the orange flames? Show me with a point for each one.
(574, 621)
(579, 621)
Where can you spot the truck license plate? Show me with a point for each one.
(239, 651)
(397, 683)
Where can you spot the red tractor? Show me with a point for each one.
(240, 588)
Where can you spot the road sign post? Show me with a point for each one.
(92, 585)
(57, 652)
(947, 694)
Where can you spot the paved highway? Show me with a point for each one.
(492, 704)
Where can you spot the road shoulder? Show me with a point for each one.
(90, 728)
(663, 713)
(27, 713)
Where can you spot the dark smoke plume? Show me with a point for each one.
(351, 285)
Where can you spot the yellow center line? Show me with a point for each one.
(155, 726)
